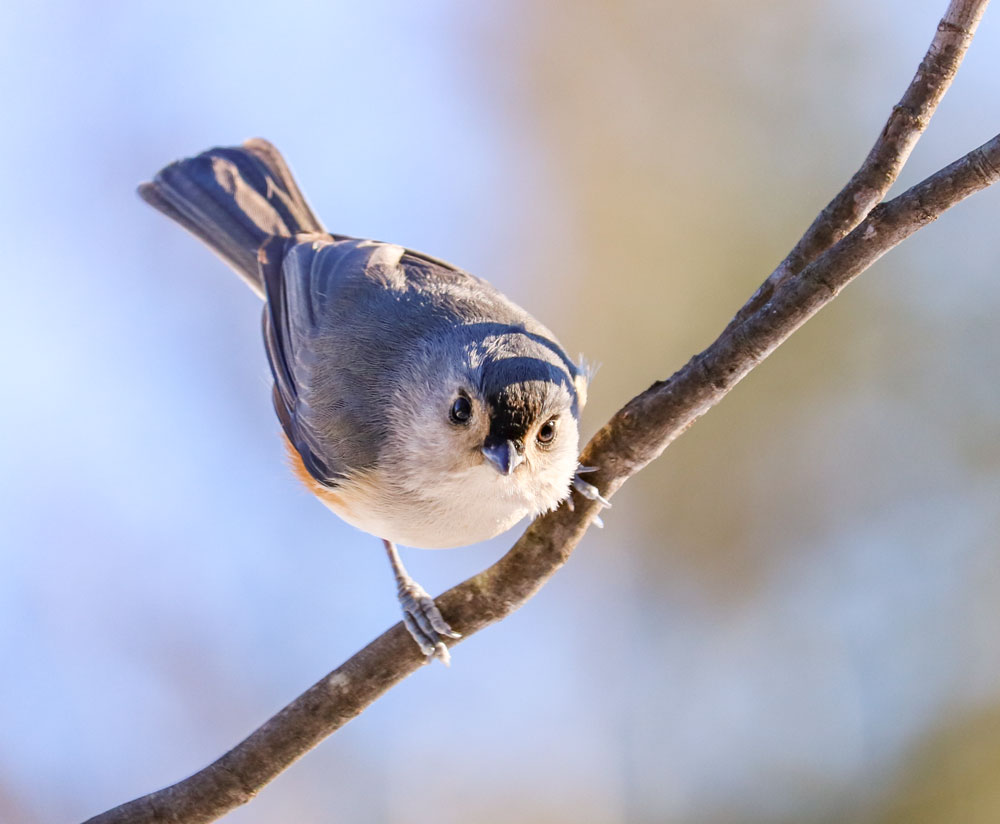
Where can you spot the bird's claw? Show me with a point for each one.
(424, 621)
(589, 491)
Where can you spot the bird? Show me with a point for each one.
(416, 401)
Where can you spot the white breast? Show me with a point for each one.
(462, 508)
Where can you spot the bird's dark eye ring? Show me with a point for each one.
(461, 410)
(546, 432)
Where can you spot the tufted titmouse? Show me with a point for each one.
(417, 402)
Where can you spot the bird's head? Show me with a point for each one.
(498, 411)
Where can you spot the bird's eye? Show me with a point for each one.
(546, 432)
(461, 410)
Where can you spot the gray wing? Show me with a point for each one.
(338, 320)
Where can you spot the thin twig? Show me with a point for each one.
(907, 122)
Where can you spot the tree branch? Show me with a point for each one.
(906, 123)
(837, 247)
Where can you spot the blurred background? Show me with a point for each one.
(790, 617)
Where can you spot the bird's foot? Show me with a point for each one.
(420, 614)
(589, 491)
(424, 621)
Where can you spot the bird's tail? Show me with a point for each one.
(234, 199)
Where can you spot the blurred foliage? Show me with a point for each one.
(950, 776)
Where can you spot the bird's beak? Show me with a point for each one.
(504, 456)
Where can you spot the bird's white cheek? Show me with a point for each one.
(554, 475)
(429, 456)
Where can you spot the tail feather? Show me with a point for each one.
(234, 199)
